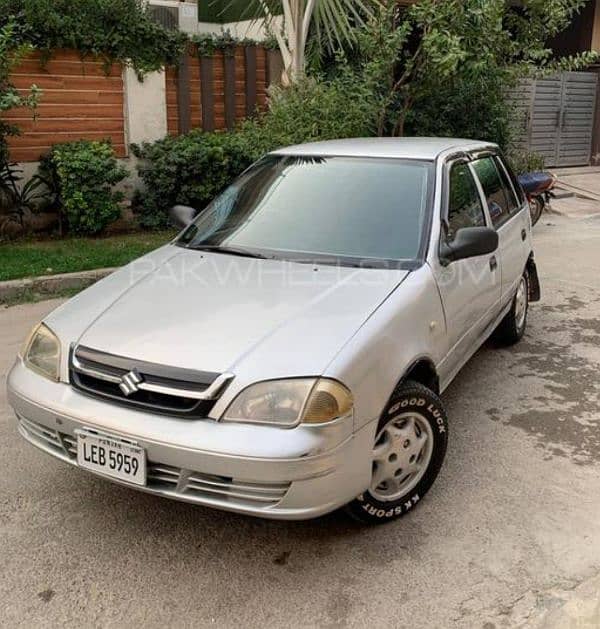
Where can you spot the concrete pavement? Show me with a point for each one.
(509, 535)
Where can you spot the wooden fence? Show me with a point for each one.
(216, 92)
(80, 100)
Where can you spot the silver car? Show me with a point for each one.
(285, 354)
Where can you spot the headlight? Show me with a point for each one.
(42, 352)
(289, 402)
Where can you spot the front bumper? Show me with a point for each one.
(264, 471)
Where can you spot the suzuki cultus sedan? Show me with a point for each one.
(285, 354)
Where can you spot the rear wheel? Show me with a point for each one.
(410, 445)
(512, 327)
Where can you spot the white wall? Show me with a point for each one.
(145, 107)
(252, 29)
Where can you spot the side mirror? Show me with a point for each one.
(469, 242)
(181, 215)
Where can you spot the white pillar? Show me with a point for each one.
(145, 107)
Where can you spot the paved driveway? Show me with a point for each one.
(509, 531)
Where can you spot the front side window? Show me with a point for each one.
(335, 209)
(496, 193)
(464, 203)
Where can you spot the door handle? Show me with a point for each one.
(493, 263)
(523, 234)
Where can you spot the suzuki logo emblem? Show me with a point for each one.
(129, 382)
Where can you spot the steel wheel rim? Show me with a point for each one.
(401, 455)
(521, 303)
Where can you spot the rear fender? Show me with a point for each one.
(535, 292)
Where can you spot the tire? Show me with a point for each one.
(536, 207)
(413, 427)
(512, 327)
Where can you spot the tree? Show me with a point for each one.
(333, 22)
(444, 59)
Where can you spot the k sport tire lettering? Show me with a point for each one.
(389, 513)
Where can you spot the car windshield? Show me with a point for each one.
(349, 210)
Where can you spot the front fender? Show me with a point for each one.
(406, 327)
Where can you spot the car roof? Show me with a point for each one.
(407, 148)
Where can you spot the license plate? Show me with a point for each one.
(112, 457)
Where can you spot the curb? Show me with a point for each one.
(51, 284)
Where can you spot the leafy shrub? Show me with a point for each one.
(315, 109)
(192, 169)
(189, 170)
(119, 30)
(19, 200)
(525, 161)
(464, 107)
(84, 173)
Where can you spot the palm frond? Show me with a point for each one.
(333, 19)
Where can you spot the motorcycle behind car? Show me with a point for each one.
(538, 187)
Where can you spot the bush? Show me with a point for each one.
(316, 109)
(118, 30)
(464, 107)
(189, 170)
(192, 169)
(525, 161)
(84, 173)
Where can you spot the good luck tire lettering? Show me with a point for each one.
(406, 397)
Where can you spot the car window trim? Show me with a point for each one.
(520, 204)
(508, 215)
(449, 162)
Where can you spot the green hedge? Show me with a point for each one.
(190, 170)
(118, 30)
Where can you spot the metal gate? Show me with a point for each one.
(557, 117)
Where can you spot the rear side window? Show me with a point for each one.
(515, 182)
(500, 204)
(464, 202)
(513, 202)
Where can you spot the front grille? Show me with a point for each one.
(223, 489)
(156, 388)
(45, 436)
(162, 478)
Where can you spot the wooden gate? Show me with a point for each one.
(557, 117)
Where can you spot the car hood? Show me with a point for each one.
(217, 312)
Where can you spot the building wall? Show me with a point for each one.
(252, 29)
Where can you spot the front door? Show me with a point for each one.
(470, 288)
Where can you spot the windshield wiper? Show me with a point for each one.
(234, 251)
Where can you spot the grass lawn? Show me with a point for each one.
(29, 258)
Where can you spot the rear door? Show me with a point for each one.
(509, 213)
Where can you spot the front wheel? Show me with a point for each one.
(410, 445)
